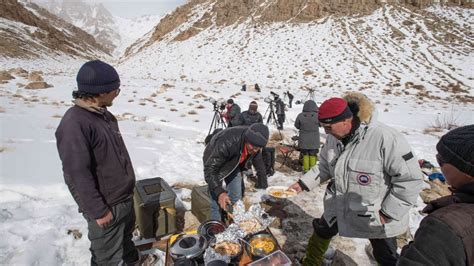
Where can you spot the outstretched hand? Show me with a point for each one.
(296, 187)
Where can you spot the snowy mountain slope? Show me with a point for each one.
(114, 33)
(130, 30)
(393, 51)
(30, 32)
(92, 18)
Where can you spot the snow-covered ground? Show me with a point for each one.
(164, 117)
(163, 139)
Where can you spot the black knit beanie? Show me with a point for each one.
(457, 148)
(257, 135)
(96, 77)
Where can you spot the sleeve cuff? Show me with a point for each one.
(218, 190)
(302, 185)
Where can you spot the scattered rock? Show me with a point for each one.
(4, 75)
(35, 76)
(437, 189)
(75, 233)
(37, 85)
(20, 72)
(20, 85)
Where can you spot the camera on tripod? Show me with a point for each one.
(275, 95)
(217, 104)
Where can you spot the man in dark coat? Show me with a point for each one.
(247, 118)
(224, 158)
(96, 165)
(280, 111)
(308, 141)
(251, 116)
(290, 99)
(445, 236)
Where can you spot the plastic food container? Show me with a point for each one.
(277, 258)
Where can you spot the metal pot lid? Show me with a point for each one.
(188, 246)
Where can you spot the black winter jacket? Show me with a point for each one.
(221, 157)
(96, 165)
(446, 235)
(247, 118)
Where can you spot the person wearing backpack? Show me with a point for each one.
(445, 236)
(308, 141)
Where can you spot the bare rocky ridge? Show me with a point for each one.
(33, 35)
(229, 12)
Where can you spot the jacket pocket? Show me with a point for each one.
(364, 218)
(365, 178)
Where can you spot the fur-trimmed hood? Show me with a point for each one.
(361, 106)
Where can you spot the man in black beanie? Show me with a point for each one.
(445, 236)
(224, 158)
(96, 165)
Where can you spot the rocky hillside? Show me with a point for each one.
(228, 12)
(95, 19)
(418, 49)
(30, 32)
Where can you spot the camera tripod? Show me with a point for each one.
(310, 95)
(272, 117)
(271, 114)
(217, 120)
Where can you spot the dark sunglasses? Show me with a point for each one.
(440, 160)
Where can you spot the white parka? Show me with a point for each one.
(376, 171)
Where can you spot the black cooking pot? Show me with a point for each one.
(188, 247)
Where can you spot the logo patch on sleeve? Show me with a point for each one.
(364, 179)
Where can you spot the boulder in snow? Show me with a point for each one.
(35, 76)
(20, 72)
(37, 85)
(4, 75)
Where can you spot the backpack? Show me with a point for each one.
(209, 137)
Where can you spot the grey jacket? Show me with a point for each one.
(375, 171)
(308, 124)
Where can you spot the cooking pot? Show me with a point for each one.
(188, 246)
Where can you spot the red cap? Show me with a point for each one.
(334, 110)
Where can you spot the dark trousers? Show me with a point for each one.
(113, 244)
(384, 250)
(259, 165)
(281, 120)
(313, 152)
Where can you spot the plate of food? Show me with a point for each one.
(281, 192)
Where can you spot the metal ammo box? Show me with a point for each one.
(154, 203)
(201, 203)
